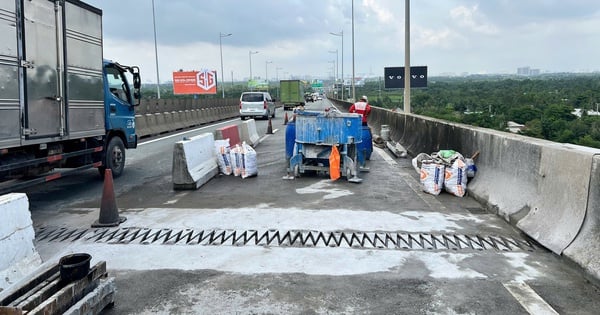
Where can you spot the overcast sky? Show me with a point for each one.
(448, 36)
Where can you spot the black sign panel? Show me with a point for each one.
(394, 77)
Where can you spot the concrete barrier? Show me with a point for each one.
(141, 126)
(585, 249)
(546, 189)
(248, 132)
(194, 162)
(18, 256)
(230, 132)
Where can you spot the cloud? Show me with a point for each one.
(471, 19)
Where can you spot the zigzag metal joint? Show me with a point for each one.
(285, 238)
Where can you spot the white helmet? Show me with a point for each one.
(364, 97)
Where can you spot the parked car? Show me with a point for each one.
(256, 104)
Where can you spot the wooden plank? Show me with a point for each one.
(95, 301)
(72, 292)
(28, 284)
(9, 310)
(39, 294)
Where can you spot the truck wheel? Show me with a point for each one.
(115, 157)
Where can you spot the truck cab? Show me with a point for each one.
(120, 99)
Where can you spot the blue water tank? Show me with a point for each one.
(290, 139)
(365, 148)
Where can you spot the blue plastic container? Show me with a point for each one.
(365, 148)
(328, 128)
(290, 139)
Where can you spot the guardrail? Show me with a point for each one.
(548, 190)
(165, 115)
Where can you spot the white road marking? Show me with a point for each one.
(177, 197)
(531, 301)
(390, 160)
(185, 132)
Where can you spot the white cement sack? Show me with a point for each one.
(250, 165)
(236, 160)
(455, 181)
(432, 177)
(223, 152)
(418, 160)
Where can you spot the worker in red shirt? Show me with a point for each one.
(361, 107)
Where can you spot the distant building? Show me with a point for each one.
(527, 71)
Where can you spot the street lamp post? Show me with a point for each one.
(336, 68)
(341, 34)
(221, 35)
(277, 78)
(353, 76)
(267, 71)
(155, 52)
(250, 53)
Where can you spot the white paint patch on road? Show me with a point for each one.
(444, 265)
(259, 260)
(264, 218)
(522, 270)
(529, 299)
(325, 186)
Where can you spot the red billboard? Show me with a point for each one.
(195, 82)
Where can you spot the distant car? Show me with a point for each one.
(256, 104)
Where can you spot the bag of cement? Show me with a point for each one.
(249, 161)
(418, 160)
(447, 156)
(223, 152)
(455, 181)
(236, 160)
(432, 177)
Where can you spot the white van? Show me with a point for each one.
(256, 104)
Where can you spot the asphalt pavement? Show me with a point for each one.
(310, 245)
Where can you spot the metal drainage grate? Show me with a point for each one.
(291, 238)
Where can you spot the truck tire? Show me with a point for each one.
(114, 157)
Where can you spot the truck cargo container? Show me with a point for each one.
(63, 108)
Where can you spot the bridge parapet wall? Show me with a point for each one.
(546, 189)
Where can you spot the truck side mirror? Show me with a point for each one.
(137, 84)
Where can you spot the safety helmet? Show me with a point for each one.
(364, 98)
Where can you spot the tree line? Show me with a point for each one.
(544, 104)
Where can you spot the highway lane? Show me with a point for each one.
(358, 274)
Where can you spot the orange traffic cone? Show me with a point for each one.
(109, 213)
(285, 119)
(270, 127)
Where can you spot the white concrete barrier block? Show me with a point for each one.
(194, 161)
(248, 132)
(18, 254)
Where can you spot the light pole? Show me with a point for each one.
(336, 68)
(277, 78)
(341, 34)
(353, 76)
(221, 35)
(267, 71)
(155, 52)
(250, 53)
(407, 56)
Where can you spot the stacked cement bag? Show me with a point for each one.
(445, 169)
(241, 160)
(223, 152)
